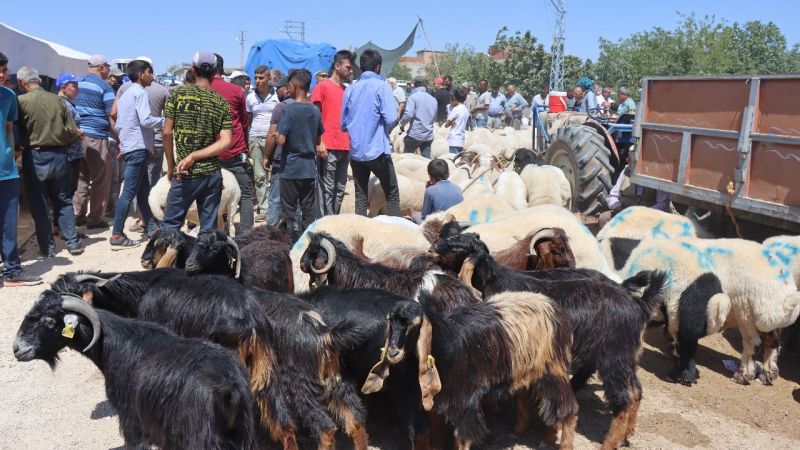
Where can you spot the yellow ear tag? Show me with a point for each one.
(383, 352)
(68, 331)
(431, 361)
(232, 263)
(313, 285)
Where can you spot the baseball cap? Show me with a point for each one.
(144, 58)
(65, 77)
(438, 80)
(97, 60)
(282, 82)
(419, 79)
(115, 72)
(204, 60)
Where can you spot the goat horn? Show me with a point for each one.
(331, 251)
(168, 260)
(464, 224)
(544, 233)
(238, 256)
(80, 278)
(76, 305)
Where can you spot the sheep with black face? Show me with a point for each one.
(188, 394)
(510, 344)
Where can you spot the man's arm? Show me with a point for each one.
(146, 119)
(115, 109)
(166, 134)
(345, 108)
(408, 115)
(69, 123)
(281, 139)
(269, 145)
(388, 111)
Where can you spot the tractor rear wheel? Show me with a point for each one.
(580, 152)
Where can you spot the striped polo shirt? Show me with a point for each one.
(94, 102)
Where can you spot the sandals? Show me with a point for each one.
(122, 244)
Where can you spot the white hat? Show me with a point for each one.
(145, 58)
(97, 60)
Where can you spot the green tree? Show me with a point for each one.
(401, 72)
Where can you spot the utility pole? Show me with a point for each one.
(241, 40)
(557, 69)
(293, 28)
(433, 52)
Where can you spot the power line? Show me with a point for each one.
(241, 40)
(557, 69)
(293, 28)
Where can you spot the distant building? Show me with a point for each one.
(419, 64)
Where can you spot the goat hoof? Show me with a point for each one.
(625, 443)
(768, 377)
(686, 377)
(742, 378)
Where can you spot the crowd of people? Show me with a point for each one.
(288, 147)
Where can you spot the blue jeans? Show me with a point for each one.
(137, 184)
(206, 190)
(274, 206)
(47, 177)
(411, 145)
(456, 150)
(9, 206)
(481, 123)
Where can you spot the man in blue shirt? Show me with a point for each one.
(420, 112)
(497, 104)
(440, 194)
(368, 110)
(94, 103)
(13, 275)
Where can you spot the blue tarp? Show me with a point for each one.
(285, 54)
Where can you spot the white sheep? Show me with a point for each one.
(546, 185)
(640, 222)
(713, 284)
(378, 236)
(787, 250)
(228, 205)
(509, 186)
(480, 208)
(412, 194)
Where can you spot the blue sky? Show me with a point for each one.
(170, 31)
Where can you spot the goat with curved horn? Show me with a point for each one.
(544, 233)
(331, 251)
(238, 256)
(77, 305)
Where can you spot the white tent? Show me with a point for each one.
(47, 57)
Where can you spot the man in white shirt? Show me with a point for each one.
(471, 102)
(604, 101)
(540, 103)
(260, 104)
(497, 105)
(457, 121)
(481, 116)
(398, 93)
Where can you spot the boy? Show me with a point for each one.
(299, 135)
(135, 127)
(440, 193)
(457, 121)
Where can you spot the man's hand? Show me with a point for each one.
(265, 164)
(170, 172)
(322, 153)
(185, 165)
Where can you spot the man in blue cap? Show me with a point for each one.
(67, 85)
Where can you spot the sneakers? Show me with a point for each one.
(261, 217)
(123, 243)
(21, 278)
(75, 251)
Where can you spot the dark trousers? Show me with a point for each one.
(154, 164)
(411, 145)
(244, 176)
(334, 180)
(294, 193)
(136, 185)
(383, 168)
(47, 177)
(207, 191)
(9, 213)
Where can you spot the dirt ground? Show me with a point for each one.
(66, 409)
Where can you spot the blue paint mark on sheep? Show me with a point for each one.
(302, 243)
(666, 262)
(488, 217)
(705, 258)
(473, 217)
(658, 232)
(620, 218)
(687, 229)
(783, 252)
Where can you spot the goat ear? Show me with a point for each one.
(168, 260)
(88, 297)
(429, 382)
(465, 274)
(377, 374)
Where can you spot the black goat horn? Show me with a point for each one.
(331, 251)
(76, 305)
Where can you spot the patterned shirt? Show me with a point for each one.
(199, 115)
(94, 102)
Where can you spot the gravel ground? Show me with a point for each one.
(67, 409)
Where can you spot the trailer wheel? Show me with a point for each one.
(580, 152)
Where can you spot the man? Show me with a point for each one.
(200, 119)
(398, 93)
(234, 159)
(578, 95)
(367, 113)
(442, 96)
(497, 104)
(471, 102)
(604, 101)
(67, 86)
(540, 103)
(157, 93)
(626, 111)
(135, 124)
(94, 103)
(440, 193)
(514, 106)
(243, 81)
(13, 274)
(47, 129)
(420, 113)
(328, 96)
(448, 84)
(272, 154)
(480, 111)
(260, 104)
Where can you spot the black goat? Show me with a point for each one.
(607, 321)
(340, 267)
(263, 233)
(514, 342)
(261, 263)
(523, 157)
(292, 354)
(167, 248)
(169, 391)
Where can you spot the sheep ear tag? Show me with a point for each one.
(70, 322)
